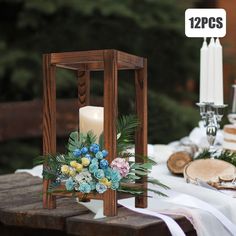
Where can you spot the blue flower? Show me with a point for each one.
(99, 155)
(104, 153)
(84, 188)
(107, 173)
(94, 161)
(99, 174)
(94, 148)
(84, 150)
(115, 176)
(103, 164)
(101, 188)
(57, 182)
(70, 184)
(92, 185)
(77, 152)
(88, 156)
(93, 168)
(115, 185)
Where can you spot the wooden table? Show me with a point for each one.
(21, 213)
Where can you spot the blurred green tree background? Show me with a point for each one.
(149, 28)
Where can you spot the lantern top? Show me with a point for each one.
(93, 60)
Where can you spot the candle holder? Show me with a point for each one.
(232, 110)
(211, 115)
(82, 63)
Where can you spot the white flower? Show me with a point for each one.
(79, 178)
(83, 176)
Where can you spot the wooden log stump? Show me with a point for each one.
(177, 161)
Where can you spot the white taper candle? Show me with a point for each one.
(211, 71)
(218, 91)
(203, 71)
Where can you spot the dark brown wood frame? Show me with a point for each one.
(82, 62)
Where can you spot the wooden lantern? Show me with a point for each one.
(82, 62)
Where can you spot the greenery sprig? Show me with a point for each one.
(224, 155)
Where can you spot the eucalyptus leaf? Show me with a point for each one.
(134, 192)
(147, 165)
(157, 182)
(125, 180)
(157, 192)
(139, 172)
(133, 177)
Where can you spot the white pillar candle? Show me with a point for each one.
(211, 71)
(91, 119)
(218, 91)
(203, 71)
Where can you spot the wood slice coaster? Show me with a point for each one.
(177, 161)
(208, 170)
(219, 186)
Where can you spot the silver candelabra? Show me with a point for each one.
(211, 115)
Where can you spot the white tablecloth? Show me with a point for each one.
(205, 223)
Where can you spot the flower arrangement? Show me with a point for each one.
(89, 170)
(84, 167)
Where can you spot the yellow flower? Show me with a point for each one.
(108, 184)
(78, 167)
(65, 169)
(85, 161)
(73, 164)
(105, 182)
(72, 173)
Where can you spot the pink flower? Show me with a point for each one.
(121, 165)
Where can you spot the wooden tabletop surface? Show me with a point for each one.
(21, 213)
